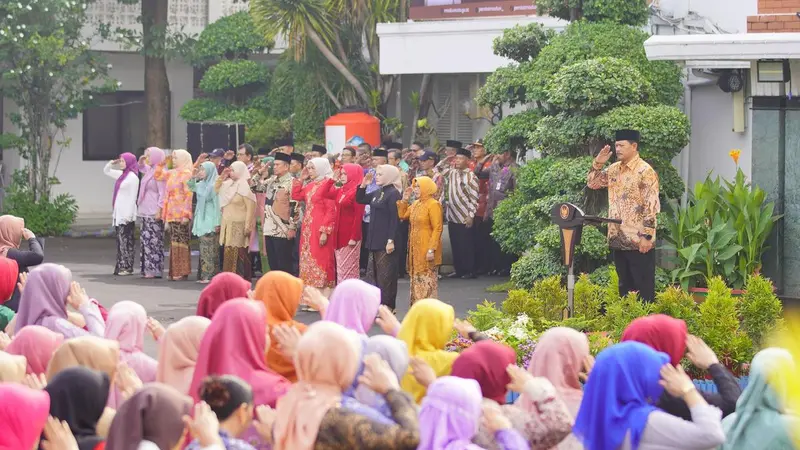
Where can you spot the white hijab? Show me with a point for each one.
(323, 168)
(238, 183)
(392, 176)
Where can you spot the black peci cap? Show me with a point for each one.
(394, 146)
(319, 149)
(627, 135)
(464, 152)
(380, 152)
(299, 157)
(453, 144)
(279, 156)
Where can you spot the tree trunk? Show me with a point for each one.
(156, 82)
(423, 91)
(338, 65)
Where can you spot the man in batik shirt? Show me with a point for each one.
(632, 197)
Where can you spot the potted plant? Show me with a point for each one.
(722, 231)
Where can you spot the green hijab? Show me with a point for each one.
(760, 422)
(207, 214)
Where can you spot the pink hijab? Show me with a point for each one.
(327, 360)
(354, 305)
(559, 357)
(23, 413)
(37, 344)
(126, 324)
(178, 350)
(156, 157)
(236, 344)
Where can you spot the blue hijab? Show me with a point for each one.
(619, 396)
(207, 214)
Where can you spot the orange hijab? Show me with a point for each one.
(280, 293)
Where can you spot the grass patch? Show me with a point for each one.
(502, 287)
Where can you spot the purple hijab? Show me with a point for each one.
(131, 166)
(450, 414)
(354, 305)
(45, 295)
(156, 157)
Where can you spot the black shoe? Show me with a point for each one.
(454, 275)
(469, 276)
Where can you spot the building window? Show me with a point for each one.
(116, 124)
(453, 98)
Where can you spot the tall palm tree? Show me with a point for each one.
(342, 31)
(299, 20)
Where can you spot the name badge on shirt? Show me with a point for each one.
(499, 185)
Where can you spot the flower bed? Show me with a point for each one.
(734, 327)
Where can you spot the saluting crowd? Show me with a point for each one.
(376, 214)
(243, 374)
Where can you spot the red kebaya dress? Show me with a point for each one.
(317, 263)
(349, 215)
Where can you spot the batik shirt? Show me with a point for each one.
(462, 193)
(278, 190)
(632, 197)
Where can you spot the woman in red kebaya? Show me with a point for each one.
(349, 214)
(317, 263)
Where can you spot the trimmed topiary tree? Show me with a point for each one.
(231, 82)
(579, 86)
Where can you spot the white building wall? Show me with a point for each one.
(712, 136)
(85, 179)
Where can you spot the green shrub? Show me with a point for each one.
(511, 134)
(500, 287)
(534, 265)
(233, 36)
(503, 86)
(612, 288)
(45, 217)
(719, 318)
(201, 109)
(588, 298)
(620, 311)
(484, 316)
(522, 43)
(235, 74)
(596, 85)
(628, 12)
(677, 303)
(562, 134)
(552, 296)
(665, 129)
(601, 275)
(598, 341)
(760, 309)
(521, 301)
(582, 40)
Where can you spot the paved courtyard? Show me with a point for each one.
(92, 263)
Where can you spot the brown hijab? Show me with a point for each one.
(12, 368)
(154, 413)
(10, 232)
(88, 351)
(280, 293)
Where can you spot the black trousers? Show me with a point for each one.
(484, 260)
(255, 262)
(280, 254)
(382, 272)
(401, 247)
(462, 241)
(363, 258)
(637, 273)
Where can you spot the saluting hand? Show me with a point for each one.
(604, 155)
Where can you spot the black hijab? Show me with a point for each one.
(78, 396)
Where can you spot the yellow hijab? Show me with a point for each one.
(426, 329)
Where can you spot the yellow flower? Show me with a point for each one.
(734, 154)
